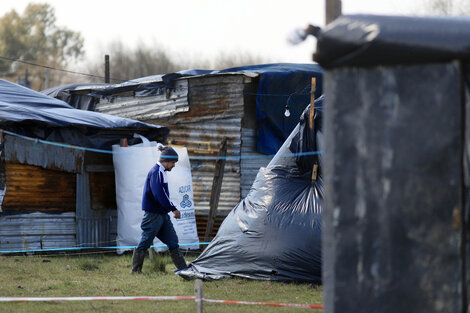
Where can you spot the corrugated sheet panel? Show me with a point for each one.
(214, 98)
(96, 202)
(92, 225)
(37, 231)
(18, 150)
(214, 111)
(204, 138)
(216, 108)
(229, 196)
(93, 231)
(206, 142)
(34, 188)
(112, 214)
(150, 107)
(251, 161)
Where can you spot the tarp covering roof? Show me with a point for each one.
(370, 40)
(143, 86)
(280, 84)
(275, 232)
(34, 114)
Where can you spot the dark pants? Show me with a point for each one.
(160, 226)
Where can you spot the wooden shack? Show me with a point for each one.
(204, 108)
(57, 188)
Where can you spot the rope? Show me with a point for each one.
(230, 157)
(103, 248)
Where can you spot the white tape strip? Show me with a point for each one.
(62, 299)
(155, 298)
(291, 305)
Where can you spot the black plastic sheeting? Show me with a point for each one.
(33, 114)
(370, 40)
(144, 86)
(275, 232)
(394, 139)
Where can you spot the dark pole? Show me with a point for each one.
(46, 83)
(460, 217)
(332, 10)
(106, 69)
(216, 189)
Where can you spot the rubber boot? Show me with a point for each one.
(137, 261)
(178, 259)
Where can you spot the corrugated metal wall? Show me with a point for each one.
(96, 202)
(251, 160)
(38, 210)
(204, 139)
(216, 111)
(148, 107)
(37, 196)
(37, 230)
(22, 151)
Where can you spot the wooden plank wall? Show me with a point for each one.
(102, 191)
(32, 188)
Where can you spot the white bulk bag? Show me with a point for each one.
(131, 166)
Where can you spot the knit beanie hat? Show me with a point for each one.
(168, 154)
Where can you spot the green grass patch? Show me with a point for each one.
(88, 265)
(160, 263)
(108, 275)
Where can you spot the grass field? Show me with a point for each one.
(108, 275)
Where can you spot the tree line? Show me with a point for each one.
(33, 38)
(33, 47)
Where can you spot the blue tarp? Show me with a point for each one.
(279, 85)
(30, 113)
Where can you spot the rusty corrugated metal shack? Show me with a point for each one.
(203, 108)
(53, 195)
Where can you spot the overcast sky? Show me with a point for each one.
(204, 28)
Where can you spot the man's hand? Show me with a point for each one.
(177, 213)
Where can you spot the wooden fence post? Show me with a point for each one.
(106, 69)
(311, 121)
(216, 189)
(199, 295)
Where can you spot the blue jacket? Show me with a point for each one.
(156, 197)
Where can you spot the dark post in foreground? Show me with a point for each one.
(106, 69)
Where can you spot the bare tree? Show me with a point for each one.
(228, 60)
(224, 60)
(33, 37)
(145, 60)
(448, 7)
(127, 63)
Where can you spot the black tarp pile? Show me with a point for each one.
(275, 232)
(371, 40)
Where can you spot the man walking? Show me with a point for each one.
(156, 204)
